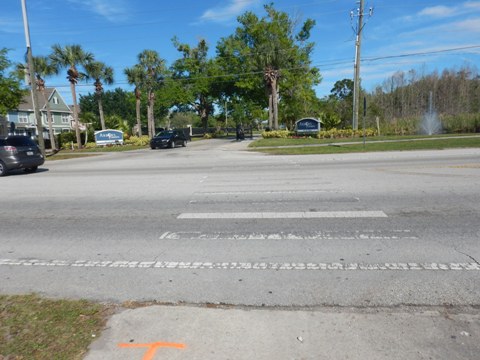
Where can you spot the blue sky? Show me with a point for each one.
(424, 35)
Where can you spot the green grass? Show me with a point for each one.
(35, 328)
(73, 154)
(312, 141)
(117, 148)
(66, 156)
(370, 146)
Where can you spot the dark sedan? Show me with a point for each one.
(19, 152)
(168, 139)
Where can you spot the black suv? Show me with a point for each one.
(19, 152)
(168, 138)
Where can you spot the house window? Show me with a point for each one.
(65, 119)
(22, 118)
(55, 100)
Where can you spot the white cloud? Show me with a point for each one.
(470, 25)
(475, 5)
(225, 13)
(11, 26)
(437, 11)
(441, 11)
(112, 12)
(455, 32)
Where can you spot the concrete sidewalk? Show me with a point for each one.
(189, 332)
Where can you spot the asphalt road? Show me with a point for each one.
(212, 223)
(255, 256)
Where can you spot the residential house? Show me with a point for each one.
(24, 121)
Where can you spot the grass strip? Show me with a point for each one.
(35, 328)
(340, 148)
(313, 141)
(116, 148)
(67, 156)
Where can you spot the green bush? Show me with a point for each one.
(278, 134)
(65, 138)
(345, 133)
(68, 146)
(461, 123)
(402, 126)
(137, 140)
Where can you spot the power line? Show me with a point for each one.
(332, 64)
(422, 53)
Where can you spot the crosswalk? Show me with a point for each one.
(284, 215)
(272, 266)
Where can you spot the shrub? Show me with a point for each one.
(65, 138)
(402, 126)
(208, 136)
(68, 145)
(137, 140)
(344, 133)
(279, 134)
(461, 123)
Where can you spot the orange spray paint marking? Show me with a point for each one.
(152, 348)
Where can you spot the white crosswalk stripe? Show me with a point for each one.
(284, 215)
(295, 266)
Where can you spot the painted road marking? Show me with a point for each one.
(307, 235)
(285, 215)
(199, 265)
(152, 347)
(267, 192)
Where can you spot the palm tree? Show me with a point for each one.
(135, 77)
(70, 57)
(153, 68)
(43, 68)
(100, 72)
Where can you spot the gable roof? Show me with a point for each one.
(27, 103)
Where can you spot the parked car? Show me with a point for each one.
(168, 138)
(19, 152)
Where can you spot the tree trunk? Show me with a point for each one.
(205, 111)
(100, 111)
(270, 109)
(275, 104)
(75, 115)
(149, 115)
(152, 122)
(152, 114)
(204, 118)
(149, 119)
(139, 122)
(51, 133)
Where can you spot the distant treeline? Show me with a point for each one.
(407, 95)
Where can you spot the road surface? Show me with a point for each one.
(215, 225)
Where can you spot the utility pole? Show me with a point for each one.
(358, 44)
(33, 84)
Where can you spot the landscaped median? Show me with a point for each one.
(310, 145)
